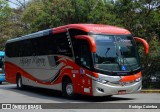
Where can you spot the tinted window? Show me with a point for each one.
(46, 45)
(63, 45)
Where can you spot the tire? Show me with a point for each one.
(108, 96)
(20, 85)
(0, 82)
(67, 88)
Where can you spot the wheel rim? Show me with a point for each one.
(69, 89)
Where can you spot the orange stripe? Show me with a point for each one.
(17, 69)
(131, 78)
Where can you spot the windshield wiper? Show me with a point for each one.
(108, 61)
(107, 51)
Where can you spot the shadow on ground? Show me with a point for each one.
(57, 96)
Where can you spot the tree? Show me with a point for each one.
(5, 14)
(19, 3)
(10, 23)
(46, 14)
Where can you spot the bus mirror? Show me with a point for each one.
(145, 44)
(90, 41)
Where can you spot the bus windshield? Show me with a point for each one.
(115, 53)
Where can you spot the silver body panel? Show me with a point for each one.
(28, 82)
(43, 68)
(113, 90)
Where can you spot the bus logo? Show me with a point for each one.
(123, 67)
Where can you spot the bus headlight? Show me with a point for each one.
(102, 79)
(138, 79)
(105, 78)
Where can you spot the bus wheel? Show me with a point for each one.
(108, 96)
(19, 82)
(67, 88)
(0, 82)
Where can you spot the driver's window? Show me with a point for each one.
(82, 53)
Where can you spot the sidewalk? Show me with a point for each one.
(150, 91)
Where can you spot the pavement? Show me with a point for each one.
(142, 91)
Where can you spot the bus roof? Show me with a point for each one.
(96, 28)
(92, 28)
(32, 35)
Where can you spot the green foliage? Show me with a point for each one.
(47, 14)
(4, 11)
(5, 14)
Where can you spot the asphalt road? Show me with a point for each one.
(10, 94)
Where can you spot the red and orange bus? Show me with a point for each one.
(88, 59)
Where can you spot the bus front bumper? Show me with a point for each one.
(100, 89)
(2, 77)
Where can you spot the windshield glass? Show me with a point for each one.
(115, 53)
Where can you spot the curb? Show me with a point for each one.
(150, 91)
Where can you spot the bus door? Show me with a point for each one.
(83, 59)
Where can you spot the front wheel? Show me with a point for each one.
(0, 82)
(67, 88)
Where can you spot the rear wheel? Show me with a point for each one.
(19, 82)
(0, 82)
(67, 88)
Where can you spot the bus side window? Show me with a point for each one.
(62, 45)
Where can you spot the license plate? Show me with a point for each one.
(122, 92)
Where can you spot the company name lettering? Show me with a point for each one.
(35, 60)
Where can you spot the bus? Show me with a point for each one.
(87, 59)
(2, 75)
